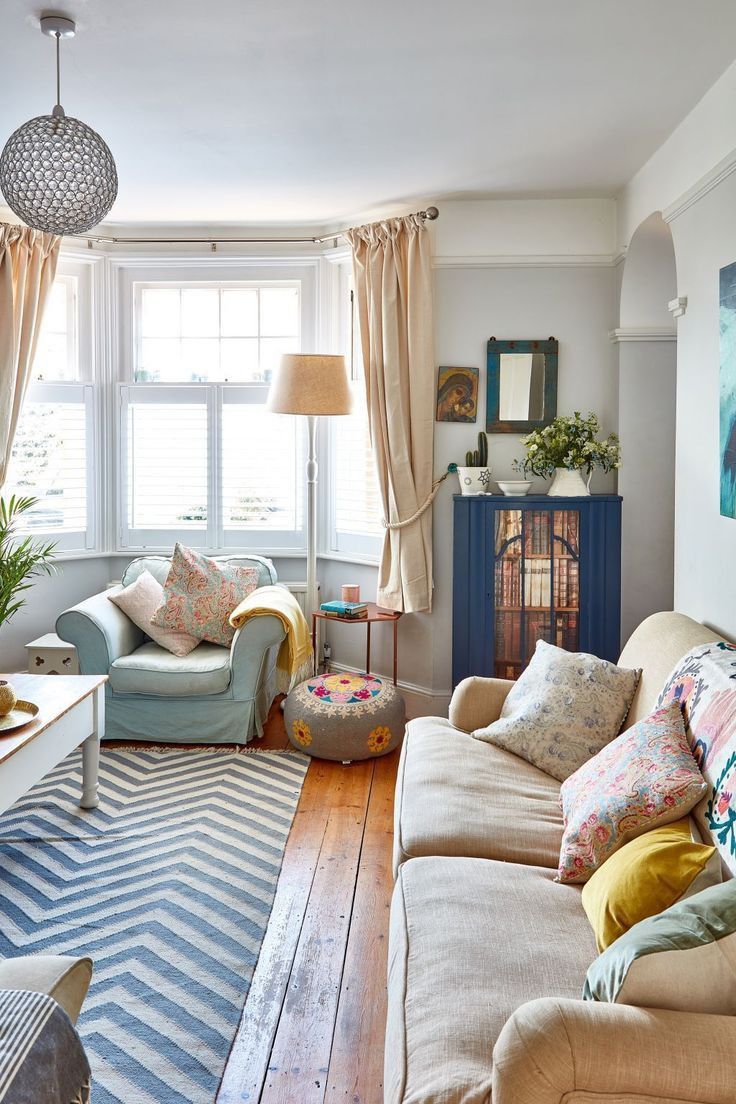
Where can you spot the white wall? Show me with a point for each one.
(705, 543)
(72, 581)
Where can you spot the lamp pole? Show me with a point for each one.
(312, 513)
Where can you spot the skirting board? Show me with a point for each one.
(420, 700)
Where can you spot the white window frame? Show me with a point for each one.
(359, 547)
(70, 540)
(130, 274)
(83, 278)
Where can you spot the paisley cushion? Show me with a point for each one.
(704, 684)
(562, 710)
(200, 594)
(646, 778)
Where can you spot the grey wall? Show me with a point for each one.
(647, 378)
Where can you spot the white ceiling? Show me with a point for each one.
(313, 111)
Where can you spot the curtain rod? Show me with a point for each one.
(430, 214)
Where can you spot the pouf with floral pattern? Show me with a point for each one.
(345, 717)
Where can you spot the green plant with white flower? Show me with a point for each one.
(571, 442)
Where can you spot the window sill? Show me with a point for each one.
(350, 557)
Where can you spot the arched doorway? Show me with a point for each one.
(647, 364)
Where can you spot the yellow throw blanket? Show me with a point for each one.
(294, 662)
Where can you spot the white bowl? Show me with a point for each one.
(514, 487)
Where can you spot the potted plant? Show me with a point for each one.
(475, 475)
(565, 448)
(21, 559)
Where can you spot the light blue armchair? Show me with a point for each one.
(214, 695)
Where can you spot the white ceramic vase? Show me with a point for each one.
(474, 481)
(569, 483)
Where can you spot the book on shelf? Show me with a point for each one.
(344, 609)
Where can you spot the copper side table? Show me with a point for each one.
(375, 614)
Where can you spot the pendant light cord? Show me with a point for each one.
(58, 70)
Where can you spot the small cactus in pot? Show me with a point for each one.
(475, 476)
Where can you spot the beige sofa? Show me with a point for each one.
(488, 954)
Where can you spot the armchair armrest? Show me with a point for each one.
(477, 702)
(100, 632)
(553, 1050)
(62, 977)
(248, 650)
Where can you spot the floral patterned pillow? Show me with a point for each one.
(644, 779)
(200, 594)
(562, 710)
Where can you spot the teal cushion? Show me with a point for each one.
(150, 669)
(159, 567)
(683, 959)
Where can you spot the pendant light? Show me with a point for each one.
(56, 173)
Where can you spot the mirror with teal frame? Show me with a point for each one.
(521, 394)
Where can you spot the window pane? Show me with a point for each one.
(160, 312)
(239, 359)
(55, 314)
(160, 360)
(358, 506)
(260, 480)
(167, 466)
(200, 312)
(52, 357)
(272, 349)
(49, 461)
(200, 359)
(279, 312)
(239, 312)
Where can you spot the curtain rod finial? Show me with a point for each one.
(432, 213)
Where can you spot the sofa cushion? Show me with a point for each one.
(200, 594)
(646, 778)
(472, 940)
(139, 601)
(562, 710)
(460, 796)
(152, 670)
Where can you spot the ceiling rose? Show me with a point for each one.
(56, 173)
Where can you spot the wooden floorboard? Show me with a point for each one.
(312, 1028)
(356, 1063)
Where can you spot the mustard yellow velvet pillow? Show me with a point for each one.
(645, 877)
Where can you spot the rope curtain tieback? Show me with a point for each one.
(425, 505)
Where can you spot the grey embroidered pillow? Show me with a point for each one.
(563, 709)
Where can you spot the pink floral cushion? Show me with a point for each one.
(645, 778)
(200, 594)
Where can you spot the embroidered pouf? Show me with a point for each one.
(345, 717)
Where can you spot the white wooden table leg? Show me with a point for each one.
(91, 754)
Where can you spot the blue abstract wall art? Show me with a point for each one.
(728, 389)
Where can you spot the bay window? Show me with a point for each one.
(53, 451)
(200, 456)
(355, 507)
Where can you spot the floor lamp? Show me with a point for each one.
(311, 384)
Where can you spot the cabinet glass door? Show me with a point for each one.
(536, 584)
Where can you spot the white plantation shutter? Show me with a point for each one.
(207, 464)
(165, 454)
(357, 501)
(51, 461)
(261, 464)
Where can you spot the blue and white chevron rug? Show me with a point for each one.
(168, 886)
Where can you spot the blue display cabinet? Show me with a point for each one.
(534, 568)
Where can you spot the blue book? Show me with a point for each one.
(344, 607)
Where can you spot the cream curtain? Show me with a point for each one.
(28, 261)
(393, 283)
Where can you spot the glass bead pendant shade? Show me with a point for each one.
(56, 173)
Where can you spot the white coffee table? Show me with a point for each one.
(71, 711)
